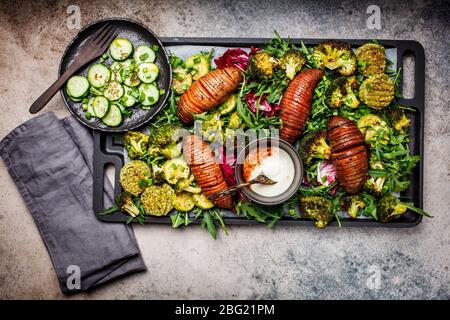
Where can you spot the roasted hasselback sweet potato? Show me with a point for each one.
(349, 154)
(206, 169)
(208, 92)
(296, 103)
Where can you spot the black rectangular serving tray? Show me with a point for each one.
(109, 150)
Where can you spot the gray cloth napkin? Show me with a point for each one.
(51, 163)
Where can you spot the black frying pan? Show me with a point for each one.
(138, 34)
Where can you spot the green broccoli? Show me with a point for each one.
(389, 207)
(291, 62)
(375, 186)
(318, 209)
(314, 145)
(165, 134)
(125, 202)
(136, 144)
(171, 150)
(335, 55)
(262, 65)
(352, 204)
(340, 92)
(399, 121)
(235, 121)
(211, 127)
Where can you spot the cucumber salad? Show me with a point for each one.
(109, 92)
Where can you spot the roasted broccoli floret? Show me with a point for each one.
(371, 59)
(234, 121)
(335, 55)
(399, 121)
(262, 65)
(389, 207)
(211, 127)
(165, 134)
(157, 200)
(132, 174)
(136, 144)
(374, 129)
(125, 202)
(317, 208)
(172, 150)
(291, 62)
(340, 92)
(377, 91)
(314, 145)
(352, 204)
(375, 186)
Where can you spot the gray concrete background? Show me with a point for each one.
(252, 262)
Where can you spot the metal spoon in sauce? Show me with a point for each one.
(261, 178)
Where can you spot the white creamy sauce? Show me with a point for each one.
(279, 167)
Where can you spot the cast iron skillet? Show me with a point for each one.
(138, 34)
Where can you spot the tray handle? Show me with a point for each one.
(100, 161)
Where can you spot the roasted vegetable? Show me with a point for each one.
(352, 204)
(202, 201)
(292, 62)
(318, 209)
(262, 65)
(377, 91)
(165, 134)
(199, 65)
(340, 92)
(235, 121)
(208, 92)
(206, 169)
(398, 119)
(175, 169)
(374, 129)
(211, 127)
(296, 103)
(132, 174)
(157, 200)
(389, 207)
(125, 202)
(371, 59)
(182, 80)
(335, 55)
(228, 105)
(349, 155)
(172, 150)
(182, 202)
(375, 185)
(314, 146)
(136, 144)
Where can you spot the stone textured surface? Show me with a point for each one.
(252, 262)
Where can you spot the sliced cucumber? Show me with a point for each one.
(183, 202)
(96, 92)
(114, 91)
(148, 94)
(175, 169)
(115, 71)
(130, 77)
(120, 49)
(90, 109)
(77, 86)
(202, 201)
(147, 72)
(199, 64)
(98, 75)
(130, 95)
(144, 54)
(113, 117)
(101, 106)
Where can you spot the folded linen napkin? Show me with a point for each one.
(51, 163)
